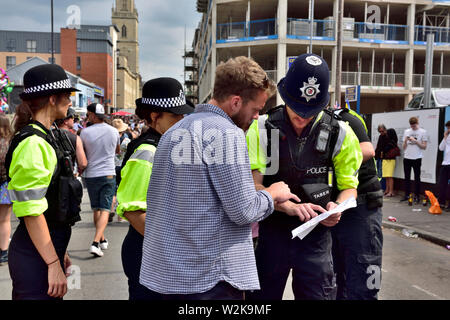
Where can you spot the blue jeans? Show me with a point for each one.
(101, 192)
(222, 291)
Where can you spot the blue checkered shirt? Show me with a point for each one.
(197, 227)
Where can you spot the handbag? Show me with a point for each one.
(392, 153)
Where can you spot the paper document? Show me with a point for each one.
(308, 226)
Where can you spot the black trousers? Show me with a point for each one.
(310, 260)
(444, 176)
(28, 271)
(131, 262)
(415, 165)
(357, 253)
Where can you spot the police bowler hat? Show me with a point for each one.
(305, 87)
(45, 80)
(164, 95)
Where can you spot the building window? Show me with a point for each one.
(124, 5)
(78, 45)
(124, 31)
(31, 45)
(78, 63)
(10, 62)
(11, 45)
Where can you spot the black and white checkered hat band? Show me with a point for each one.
(62, 84)
(167, 102)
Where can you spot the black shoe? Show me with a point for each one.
(416, 200)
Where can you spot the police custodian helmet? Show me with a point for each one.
(305, 87)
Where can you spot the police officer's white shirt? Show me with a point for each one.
(413, 151)
(445, 146)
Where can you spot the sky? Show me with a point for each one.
(162, 26)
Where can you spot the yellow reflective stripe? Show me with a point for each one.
(27, 195)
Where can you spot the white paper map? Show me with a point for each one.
(308, 226)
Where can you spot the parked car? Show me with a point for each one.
(440, 98)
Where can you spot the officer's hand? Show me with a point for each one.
(280, 192)
(57, 281)
(305, 211)
(332, 220)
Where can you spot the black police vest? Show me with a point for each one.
(149, 137)
(65, 192)
(301, 166)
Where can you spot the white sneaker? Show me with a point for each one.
(103, 244)
(96, 251)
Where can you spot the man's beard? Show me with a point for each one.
(240, 123)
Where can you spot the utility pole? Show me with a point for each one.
(337, 90)
(428, 71)
(53, 55)
(311, 22)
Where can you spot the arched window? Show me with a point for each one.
(124, 31)
(124, 5)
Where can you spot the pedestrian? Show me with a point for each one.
(390, 152)
(444, 175)
(37, 171)
(5, 201)
(358, 238)
(77, 127)
(78, 155)
(101, 142)
(311, 142)
(122, 127)
(137, 169)
(201, 198)
(414, 142)
(382, 141)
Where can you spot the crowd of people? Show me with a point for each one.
(193, 181)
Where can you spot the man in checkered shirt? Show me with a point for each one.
(201, 198)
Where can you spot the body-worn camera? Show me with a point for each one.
(323, 138)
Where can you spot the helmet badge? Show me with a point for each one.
(310, 89)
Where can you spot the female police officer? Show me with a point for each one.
(37, 255)
(162, 105)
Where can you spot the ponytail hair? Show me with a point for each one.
(26, 110)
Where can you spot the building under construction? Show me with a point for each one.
(383, 48)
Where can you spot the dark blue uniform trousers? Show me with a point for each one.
(310, 260)
(28, 271)
(357, 251)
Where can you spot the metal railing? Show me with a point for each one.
(438, 81)
(243, 31)
(378, 31)
(322, 29)
(272, 74)
(374, 79)
(441, 34)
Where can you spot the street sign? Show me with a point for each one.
(351, 93)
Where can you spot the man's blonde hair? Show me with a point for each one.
(243, 77)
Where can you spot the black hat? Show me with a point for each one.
(97, 109)
(70, 113)
(305, 87)
(45, 80)
(164, 95)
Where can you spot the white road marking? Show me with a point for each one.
(428, 292)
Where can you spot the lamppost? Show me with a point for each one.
(53, 57)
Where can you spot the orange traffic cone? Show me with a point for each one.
(435, 207)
